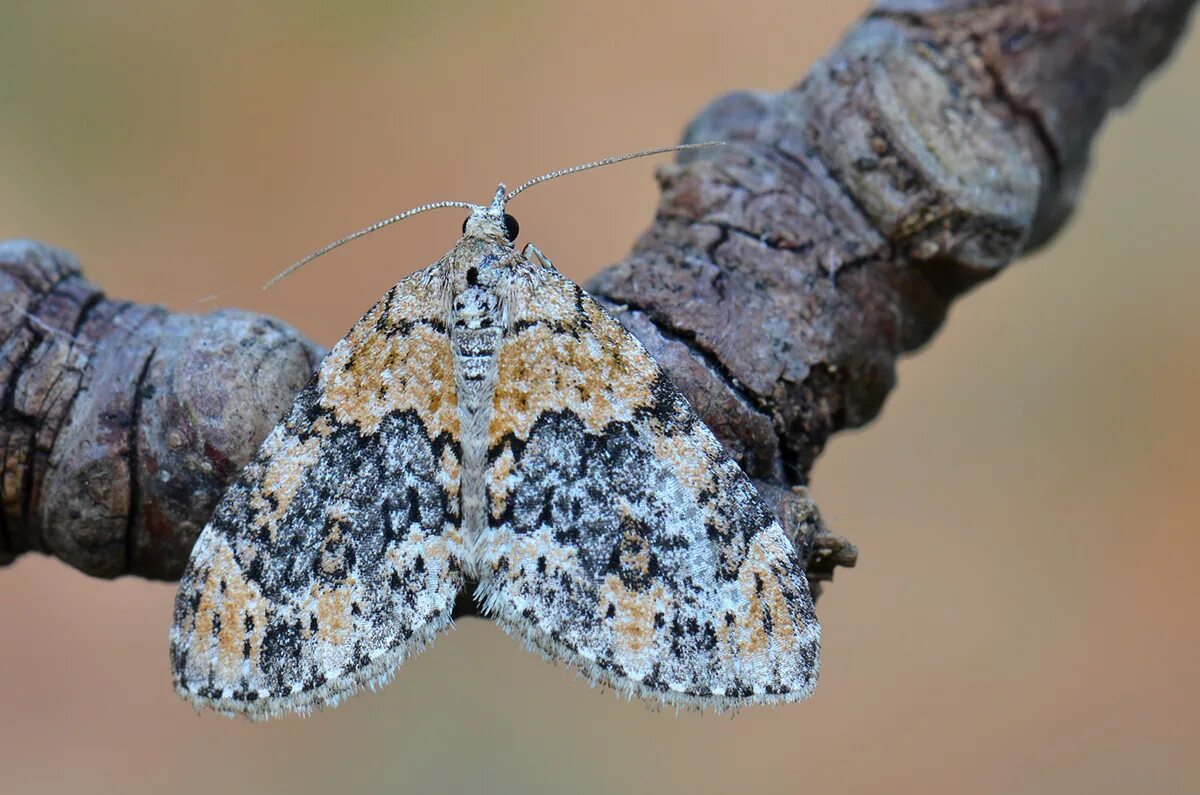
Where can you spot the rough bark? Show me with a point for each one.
(121, 423)
(779, 282)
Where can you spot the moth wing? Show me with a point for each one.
(336, 554)
(624, 540)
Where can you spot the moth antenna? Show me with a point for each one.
(290, 269)
(608, 161)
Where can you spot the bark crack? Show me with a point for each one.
(135, 475)
(688, 339)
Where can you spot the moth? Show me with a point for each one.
(489, 428)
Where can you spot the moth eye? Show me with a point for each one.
(468, 218)
(511, 227)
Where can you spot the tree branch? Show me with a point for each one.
(781, 279)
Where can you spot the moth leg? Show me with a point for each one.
(533, 253)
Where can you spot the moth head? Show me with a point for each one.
(491, 222)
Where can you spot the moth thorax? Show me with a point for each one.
(475, 308)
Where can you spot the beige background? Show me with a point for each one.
(1024, 617)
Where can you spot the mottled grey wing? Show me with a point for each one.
(337, 553)
(623, 538)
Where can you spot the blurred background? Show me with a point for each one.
(1024, 616)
